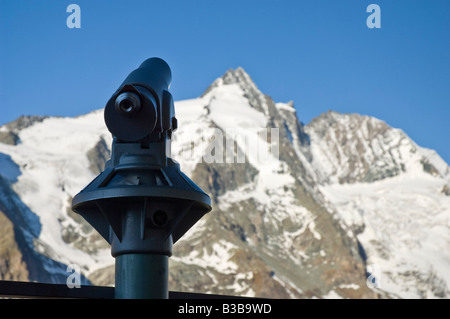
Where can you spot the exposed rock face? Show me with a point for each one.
(9, 137)
(12, 265)
(390, 193)
(98, 156)
(9, 132)
(280, 236)
(352, 148)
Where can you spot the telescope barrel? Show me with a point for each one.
(142, 102)
(153, 74)
(142, 203)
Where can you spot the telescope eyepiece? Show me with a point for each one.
(142, 105)
(128, 104)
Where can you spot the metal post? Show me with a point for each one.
(142, 203)
(142, 276)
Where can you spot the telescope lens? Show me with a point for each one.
(128, 103)
(126, 106)
(160, 218)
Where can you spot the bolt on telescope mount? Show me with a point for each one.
(142, 203)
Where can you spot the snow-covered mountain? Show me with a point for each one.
(344, 207)
(393, 195)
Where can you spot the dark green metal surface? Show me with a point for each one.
(142, 203)
(142, 276)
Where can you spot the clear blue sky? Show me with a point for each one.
(321, 54)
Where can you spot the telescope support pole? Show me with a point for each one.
(142, 276)
(142, 203)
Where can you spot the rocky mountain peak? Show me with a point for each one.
(358, 148)
(9, 133)
(245, 83)
(237, 76)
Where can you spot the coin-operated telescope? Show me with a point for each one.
(142, 203)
